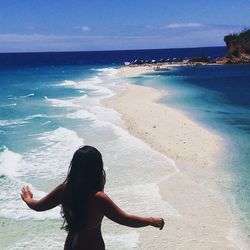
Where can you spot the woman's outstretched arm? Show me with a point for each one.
(50, 201)
(114, 213)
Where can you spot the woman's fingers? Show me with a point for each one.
(162, 224)
(158, 222)
(25, 192)
(24, 188)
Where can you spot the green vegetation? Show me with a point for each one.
(243, 36)
(238, 43)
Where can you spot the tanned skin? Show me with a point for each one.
(98, 206)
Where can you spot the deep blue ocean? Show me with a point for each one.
(50, 104)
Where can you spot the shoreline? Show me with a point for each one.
(205, 220)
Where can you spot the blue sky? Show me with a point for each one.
(72, 25)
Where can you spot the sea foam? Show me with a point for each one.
(52, 158)
(81, 114)
(49, 161)
(11, 164)
(16, 122)
(28, 95)
(61, 103)
(9, 105)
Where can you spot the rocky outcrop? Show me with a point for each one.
(238, 48)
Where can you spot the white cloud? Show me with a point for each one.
(11, 42)
(85, 28)
(182, 25)
(35, 37)
(207, 35)
(15, 38)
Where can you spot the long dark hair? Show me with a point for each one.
(86, 176)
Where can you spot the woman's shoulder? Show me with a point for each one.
(101, 197)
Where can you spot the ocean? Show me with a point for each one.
(50, 104)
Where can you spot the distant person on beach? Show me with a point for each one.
(84, 203)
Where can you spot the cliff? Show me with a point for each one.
(238, 48)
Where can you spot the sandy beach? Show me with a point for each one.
(204, 220)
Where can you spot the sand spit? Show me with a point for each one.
(204, 220)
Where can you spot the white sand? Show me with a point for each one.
(205, 222)
(130, 71)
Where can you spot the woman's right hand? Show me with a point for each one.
(26, 194)
(157, 222)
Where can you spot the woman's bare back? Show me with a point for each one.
(90, 237)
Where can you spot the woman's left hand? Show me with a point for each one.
(26, 194)
(157, 222)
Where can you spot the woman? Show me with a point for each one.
(84, 203)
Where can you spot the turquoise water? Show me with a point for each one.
(49, 109)
(219, 98)
(46, 113)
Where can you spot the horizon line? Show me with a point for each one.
(77, 51)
